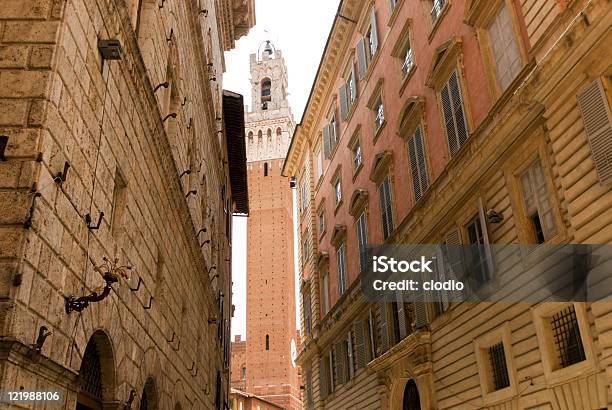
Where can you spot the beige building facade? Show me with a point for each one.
(454, 122)
(121, 163)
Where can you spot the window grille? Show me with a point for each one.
(380, 114)
(499, 367)
(408, 62)
(567, 338)
(90, 374)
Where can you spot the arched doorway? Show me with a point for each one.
(148, 401)
(96, 382)
(412, 400)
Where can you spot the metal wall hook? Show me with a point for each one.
(161, 6)
(190, 123)
(61, 176)
(27, 224)
(201, 231)
(128, 403)
(184, 102)
(192, 366)
(169, 38)
(204, 11)
(43, 334)
(177, 346)
(3, 144)
(192, 192)
(171, 340)
(215, 276)
(213, 78)
(137, 286)
(88, 221)
(150, 303)
(171, 115)
(211, 269)
(165, 84)
(186, 172)
(204, 243)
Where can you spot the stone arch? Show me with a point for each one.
(149, 398)
(266, 89)
(250, 137)
(269, 135)
(97, 381)
(259, 136)
(279, 131)
(410, 391)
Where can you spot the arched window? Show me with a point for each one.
(250, 137)
(267, 342)
(269, 133)
(265, 169)
(412, 400)
(96, 374)
(148, 401)
(266, 90)
(259, 136)
(279, 132)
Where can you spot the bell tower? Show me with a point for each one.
(271, 344)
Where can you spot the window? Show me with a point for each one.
(453, 113)
(379, 114)
(265, 169)
(321, 218)
(477, 255)
(371, 339)
(411, 399)
(350, 354)
(119, 203)
(340, 255)
(325, 292)
(408, 61)
(259, 136)
(308, 388)
(303, 194)
(566, 336)
(362, 241)
(392, 4)
(330, 136)
(307, 312)
(503, 47)
(436, 9)
(269, 134)
(306, 247)
(319, 164)
(338, 192)
(267, 342)
(367, 46)
(348, 92)
(536, 201)
(243, 373)
(418, 166)
(356, 154)
(266, 90)
(499, 368)
(386, 211)
(250, 137)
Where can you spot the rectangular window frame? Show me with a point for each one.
(341, 268)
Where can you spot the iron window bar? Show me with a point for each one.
(567, 338)
(499, 367)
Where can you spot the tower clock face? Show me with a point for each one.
(293, 352)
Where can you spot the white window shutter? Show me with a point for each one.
(449, 122)
(362, 64)
(485, 235)
(353, 84)
(458, 109)
(360, 352)
(401, 314)
(323, 381)
(343, 103)
(349, 355)
(382, 326)
(598, 127)
(374, 30)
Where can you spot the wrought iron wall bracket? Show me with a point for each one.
(28, 221)
(177, 346)
(79, 304)
(192, 192)
(88, 220)
(43, 334)
(61, 176)
(171, 115)
(165, 84)
(137, 286)
(186, 172)
(150, 303)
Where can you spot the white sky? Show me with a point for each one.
(298, 28)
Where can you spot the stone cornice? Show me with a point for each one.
(329, 67)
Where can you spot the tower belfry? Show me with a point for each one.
(271, 343)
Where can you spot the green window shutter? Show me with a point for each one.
(597, 120)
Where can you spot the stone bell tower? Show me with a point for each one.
(271, 347)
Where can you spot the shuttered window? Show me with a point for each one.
(362, 235)
(454, 114)
(308, 387)
(384, 191)
(418, 166)
(537, 204)
(382, 330)
(347, 94)
(307, 313)
(319, 164)
(598, 128)
(360, 344)
(477, 255)
(340, 255)
(504, 48)
(350, 356)
(367, 46)
(325, 292)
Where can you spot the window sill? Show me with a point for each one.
(406, 79)
(437, 23)
(357, 171)
(352, 110)
(338, 205)
(379, 131)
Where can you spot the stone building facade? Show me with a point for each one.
(454, 122)
(271, 372)
(115, 171)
